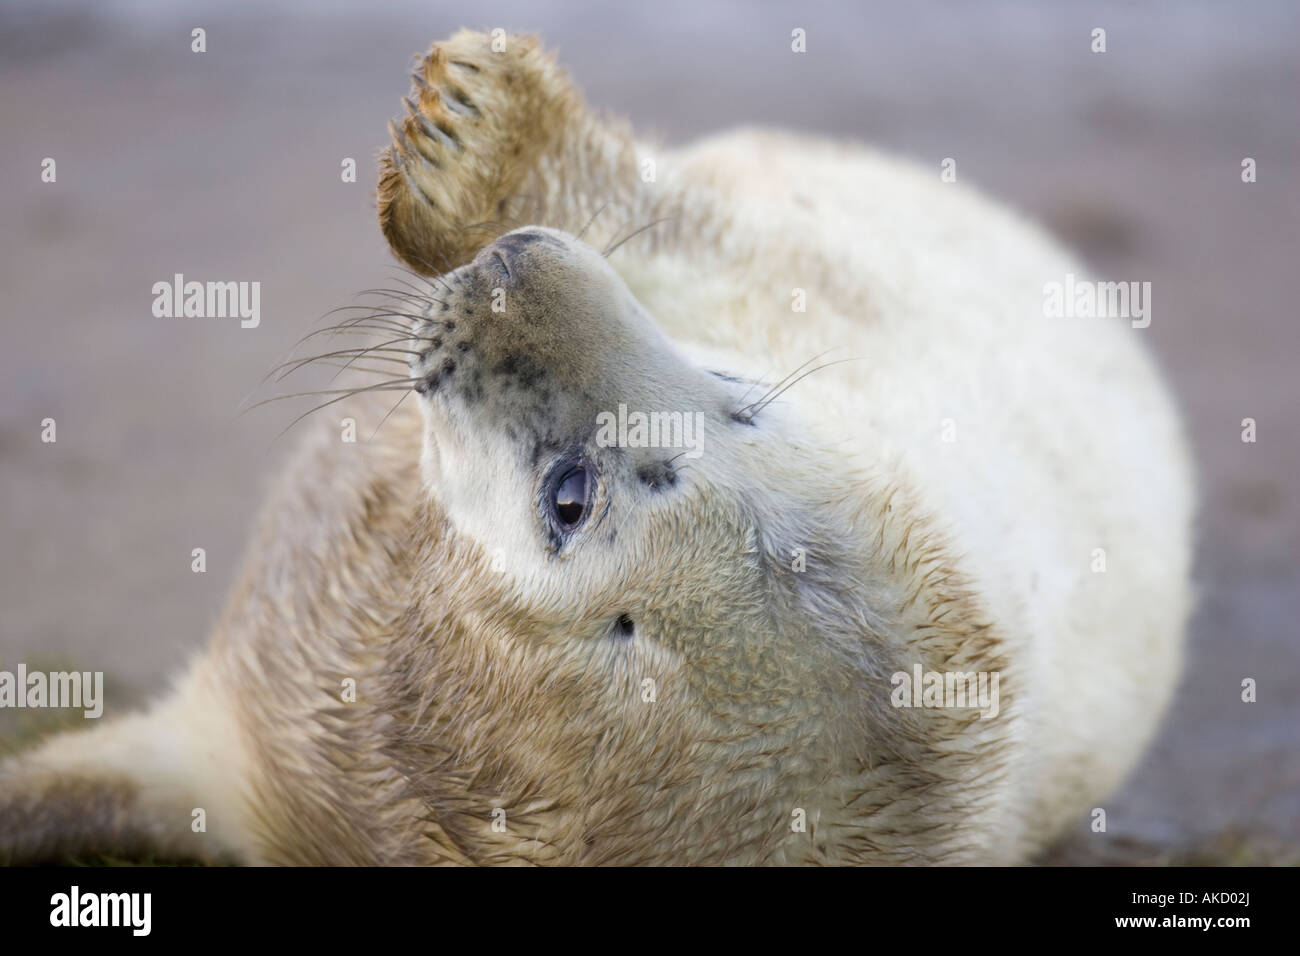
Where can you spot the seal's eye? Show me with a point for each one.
(569, 500)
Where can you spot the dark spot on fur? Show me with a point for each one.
(462, 346)
(524, 371)
(657, 475)
(436, 342)
(624, 626)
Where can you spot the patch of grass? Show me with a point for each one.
(23, 728)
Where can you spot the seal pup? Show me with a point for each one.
(493, 634)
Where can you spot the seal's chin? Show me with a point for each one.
(450, 451)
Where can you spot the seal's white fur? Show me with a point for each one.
(1065, 439)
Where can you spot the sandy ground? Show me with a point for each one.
(226, 165)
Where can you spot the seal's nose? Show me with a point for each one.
(513, 243)
(509, 253)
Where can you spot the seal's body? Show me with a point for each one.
(517, 626)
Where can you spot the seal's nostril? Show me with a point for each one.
(515, 242)
(503, 255)
(504, 265)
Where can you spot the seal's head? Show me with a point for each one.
(649, 601)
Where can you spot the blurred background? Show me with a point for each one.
(226, 165)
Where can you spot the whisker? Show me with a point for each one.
(288, 368)
(590, 222)
(375, 311)
(796, 382)
(343, 367)
(401, 295)
(784, 380)
(435, 274)
(373, 320)
(348, 393)
(382, 347)
(379, 319)
(292, 365)
(371, 324)
(387, 416)
(348, 328)
(374, 323)
(755, 384)
(378, 386)
(614, 248)
(360, 329)
(419, 278)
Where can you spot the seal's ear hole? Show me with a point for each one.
(624, 627)
(657, 475)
